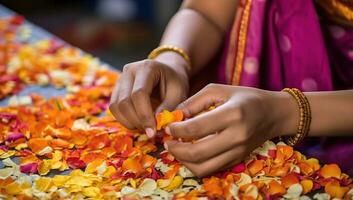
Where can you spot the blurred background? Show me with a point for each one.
(116, 31)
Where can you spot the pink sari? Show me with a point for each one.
(275, 44)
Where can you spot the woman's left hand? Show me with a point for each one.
(244, 118)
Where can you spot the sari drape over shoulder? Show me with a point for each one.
(275, 44)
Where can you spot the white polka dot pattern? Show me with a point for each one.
(309, 84)
(285, 43)
(251, 65)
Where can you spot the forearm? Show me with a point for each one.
(332, 113)
(196, 34)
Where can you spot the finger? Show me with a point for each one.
(217, 163)
(201, 101)
(203, 149)
(171, 97)
(124, 102)
(204, 124)
(140, 96)
(113, 107)
(115, 93)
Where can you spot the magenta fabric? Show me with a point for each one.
(289, 46)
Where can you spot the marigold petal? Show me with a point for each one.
(274, 188)
(331, 170)
(335, 190)
(307, 185)
(255, 167)
(289, 180)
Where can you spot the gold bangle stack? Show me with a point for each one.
(304, 116)
(164, 48)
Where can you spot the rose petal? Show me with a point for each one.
(29, 168)
(239, 168)
(75, 163)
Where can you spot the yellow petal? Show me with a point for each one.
(44, 167)
(92, 166)
(60, 180)
(307, 185)
(162, 183)
(109, 172)
(91, 191)
(79, 180)
(43, 184)
(176, 182)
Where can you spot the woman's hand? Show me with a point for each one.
(131, 99)
(243, 120)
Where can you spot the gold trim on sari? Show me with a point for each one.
(241, 43)
(232, 47)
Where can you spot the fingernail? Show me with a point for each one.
(149, 132)
(167, 130)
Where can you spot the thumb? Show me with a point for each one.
(201, 101)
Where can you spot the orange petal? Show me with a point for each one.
(331, 170)
(314, 163)
(172, 172)
(79, 138)
(178, 115)
(289, 180)
(335, 190)
(307, 185)
(37, 144)
(279, 171)
(164, 118)
(59, 144)
(91, 156)
(148, 161)
(305, 168)
(123, 144)
(213, 186)
(285, 151)
(275, 188)
(99, 141)
(133, 166)
(255, 167)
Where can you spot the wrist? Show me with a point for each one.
(176, 62)
(285, 114)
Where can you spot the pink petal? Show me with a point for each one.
(75, 163)
(12, 137)
(239, 168)
(272, 153)
(29, 168)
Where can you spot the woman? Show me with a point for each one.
(268, 44)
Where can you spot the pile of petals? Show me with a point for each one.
(44, 62)
(70, 147)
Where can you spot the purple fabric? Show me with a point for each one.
(288, 46)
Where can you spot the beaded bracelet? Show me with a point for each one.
(304, 116)
(165, 48)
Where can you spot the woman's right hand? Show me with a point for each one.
(131, 99)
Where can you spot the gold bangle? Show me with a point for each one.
(164, 48)
(304, 116)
